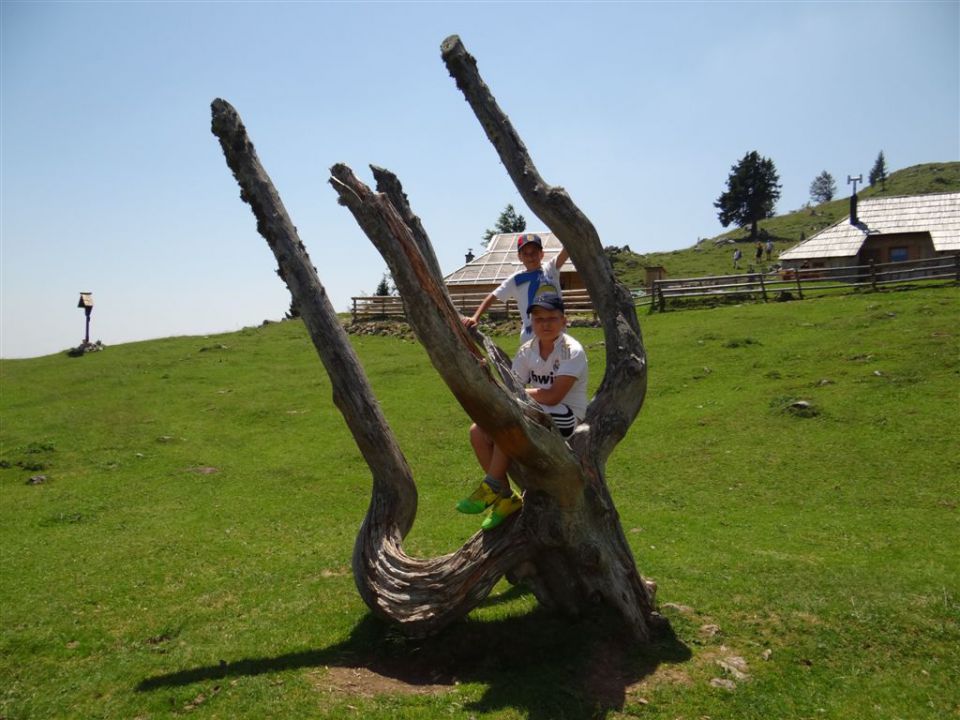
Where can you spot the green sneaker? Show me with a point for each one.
(479, 500)
(502, 508)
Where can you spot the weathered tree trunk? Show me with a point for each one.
(567, 544)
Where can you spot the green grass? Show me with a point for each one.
(137, 583)
(708, 258)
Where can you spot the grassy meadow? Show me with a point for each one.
(188, 551)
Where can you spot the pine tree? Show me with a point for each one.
(823, 188)
(753, 189)
(383, 288)
(879, 171)
(508, 222)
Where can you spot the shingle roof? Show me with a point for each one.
(937, 214)
(500, 260)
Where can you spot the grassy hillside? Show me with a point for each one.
(708, 258)
(188, 551)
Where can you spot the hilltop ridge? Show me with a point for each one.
(711, 256)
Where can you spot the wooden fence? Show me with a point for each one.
(783, 283)
(386, 307)
(764, 286)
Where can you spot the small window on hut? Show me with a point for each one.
(899, 254)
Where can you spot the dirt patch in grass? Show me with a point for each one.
(364, 682)
(204, 470)
(664, 675)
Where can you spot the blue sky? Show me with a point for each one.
(113, 183)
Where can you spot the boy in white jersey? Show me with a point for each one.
(525, 285)
(554, 367)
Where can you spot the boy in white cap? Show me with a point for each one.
(524, 285)
(553, 366)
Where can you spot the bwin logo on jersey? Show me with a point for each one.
(542, 379)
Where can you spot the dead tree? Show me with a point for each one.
(567, 544)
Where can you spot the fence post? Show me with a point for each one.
(763, 288)
(873, 274)
(663, 301)
(796, 274)
(956, 262)
(353, 312)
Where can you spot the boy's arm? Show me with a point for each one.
(562, 257)
(475, 318)
(554, 394)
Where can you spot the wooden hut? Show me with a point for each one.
(884, 230)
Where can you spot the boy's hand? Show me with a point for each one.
(468, 321)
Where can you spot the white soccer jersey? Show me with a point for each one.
(524, 285)
(567, 358)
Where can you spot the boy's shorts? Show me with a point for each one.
(563, 418)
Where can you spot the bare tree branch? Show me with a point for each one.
(389, 185)
(622, 390)
(351, 391)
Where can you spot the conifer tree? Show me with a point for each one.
(383, 287)
(753, 189)
(879, 172)
(508, 222)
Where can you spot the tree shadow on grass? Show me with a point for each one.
(539, 662)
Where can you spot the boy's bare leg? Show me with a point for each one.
(497, 469)
(493, 462)
(482, 446)
(491, 487)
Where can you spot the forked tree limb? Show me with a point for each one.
(567, 544)
(389, 185)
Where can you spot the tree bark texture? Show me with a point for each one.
(566, 544)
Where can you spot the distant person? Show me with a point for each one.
(768, 248)
(759, 251)
(553, 366)
(525, 285)
(736, 258)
